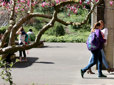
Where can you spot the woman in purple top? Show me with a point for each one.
(97, 57)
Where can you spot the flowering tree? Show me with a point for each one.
(25, 8)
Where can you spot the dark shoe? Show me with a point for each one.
(90, 72)
(102, 75)
(82, 73)
(109, 70)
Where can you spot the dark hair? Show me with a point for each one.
(30, 30)
(95, 26)
(23, 31)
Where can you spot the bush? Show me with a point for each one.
(60, 30)
(3, 29)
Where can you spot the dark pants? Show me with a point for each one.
(96, 59)
(20, 52)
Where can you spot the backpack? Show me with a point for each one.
(27, 40)
(92, 42)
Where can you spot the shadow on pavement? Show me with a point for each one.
(53, 47)
(30, 61)
(23, 64)
(43, 62)
(100, 78)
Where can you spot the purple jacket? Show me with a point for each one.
(100, 37)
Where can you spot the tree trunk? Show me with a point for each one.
(106, 12)
(109, 23)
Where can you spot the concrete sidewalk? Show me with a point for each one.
(57, 64)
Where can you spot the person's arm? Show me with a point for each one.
(100, 37)
(19, 31)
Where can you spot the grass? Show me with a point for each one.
(78, 36)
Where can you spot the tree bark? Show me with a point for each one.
(109, 23)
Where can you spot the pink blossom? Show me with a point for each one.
(19, 5)
(80, 1)
(88, 2)
(16, 8)
(75, 11)
(4, 3)
(23, 1)
(57, 1)
(84, 7)
(22, 9)
(52, 4)
(28, 2)
(44, 4)
(111, 3)
(96, 0)
(16, 11)
(26, 8)
(7, 7)
(33, 4)
(72, 8)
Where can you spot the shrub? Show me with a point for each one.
(3, 29)
(60, 30)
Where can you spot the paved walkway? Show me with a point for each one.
(57, 64)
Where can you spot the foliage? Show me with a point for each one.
(3, 29)
(6, 68)
(6, 72)
(60, 30)
(79, 36)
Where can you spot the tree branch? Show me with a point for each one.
(84, 21)
(31, 6)
(11, 22)
(46, 27)
(12, 49)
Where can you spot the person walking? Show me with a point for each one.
(22, 35)
(97, 57)
(104, 32)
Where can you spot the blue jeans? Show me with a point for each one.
(95, 59)
(103, 59)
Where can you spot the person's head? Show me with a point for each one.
(96, 26)
(102, 24)
(30, 30)
(22, 31)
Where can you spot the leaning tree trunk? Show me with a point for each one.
(109, 23)
(105, 12)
